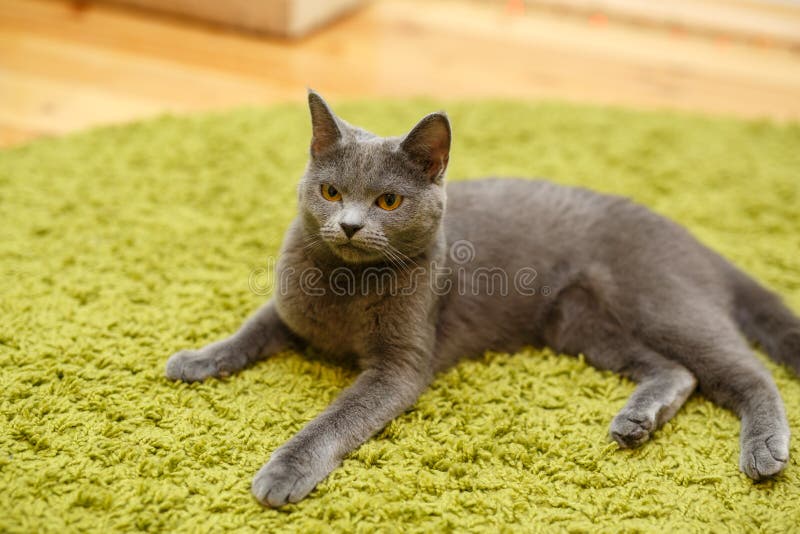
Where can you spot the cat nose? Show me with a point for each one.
(350, 229)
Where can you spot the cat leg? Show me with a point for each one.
(262, 335)
(730, 375)
(579, 324)
(663, 387)
(378, 395)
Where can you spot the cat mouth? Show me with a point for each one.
(351, 251)
(351, 244)
(355, 247)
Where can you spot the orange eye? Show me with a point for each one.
(389, 201)
(330, 193)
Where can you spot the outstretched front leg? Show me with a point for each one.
(262, 335)
(382, 392)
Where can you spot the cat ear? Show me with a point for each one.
(428, 145)
(325, 130)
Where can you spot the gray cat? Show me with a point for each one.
(374, 268)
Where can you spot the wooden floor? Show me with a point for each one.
(65, 66)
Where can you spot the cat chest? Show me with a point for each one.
(334, 323)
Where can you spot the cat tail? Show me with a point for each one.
(765, 319)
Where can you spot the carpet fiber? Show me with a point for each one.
(123, 245)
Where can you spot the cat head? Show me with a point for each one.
(368, 198)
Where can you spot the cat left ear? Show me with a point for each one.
(428, 145)
(325, 129)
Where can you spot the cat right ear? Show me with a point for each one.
(325, 130)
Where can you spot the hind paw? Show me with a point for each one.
(765, 455)
(631, 428)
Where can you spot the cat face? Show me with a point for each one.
(370, 199)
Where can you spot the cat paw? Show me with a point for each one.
(764, 456)
(196, 365)
(631, 428)
(280, 482)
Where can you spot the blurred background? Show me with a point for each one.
(69, 65)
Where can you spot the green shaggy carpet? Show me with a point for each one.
(122, 245)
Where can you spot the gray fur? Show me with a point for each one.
(632, 291)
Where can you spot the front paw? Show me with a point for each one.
(283, 480)
(765, 455)
(195, 365)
